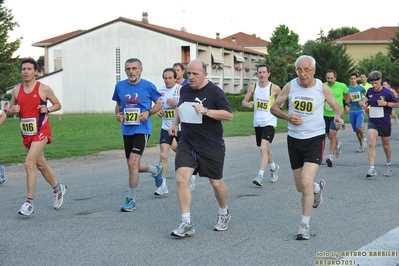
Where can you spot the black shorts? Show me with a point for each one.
(166, 138)
(135, 144)
(330, 124)
(206, 164)
(266, 133)
(382, 132)
(303, 151)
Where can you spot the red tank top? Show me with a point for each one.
(31, 120)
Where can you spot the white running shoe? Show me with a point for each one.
(360, 149)
(59, 196)
(303, 232)
(388, 170)
(183, 229)
(222, 222)
(338, 150)
(162, 190)
(364, 143)
(371, 172)
(258, 181)
(274, 174)
(26, 209)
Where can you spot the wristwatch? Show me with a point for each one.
(48, 110)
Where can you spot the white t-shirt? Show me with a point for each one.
(309, 104)
(168, 110)
(262, 103)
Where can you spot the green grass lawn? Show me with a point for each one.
(86, 134)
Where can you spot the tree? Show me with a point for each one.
(281, 64)
(334, 34)
(284, 37)
(383, 64)
(393, 47)
(283, 50)
(308, 46)
(330, 56)
(9, 66)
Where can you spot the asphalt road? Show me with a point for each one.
(89, 229)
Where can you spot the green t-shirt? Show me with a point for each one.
(367, 86)
(339, 90)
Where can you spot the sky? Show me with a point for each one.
(43, 19)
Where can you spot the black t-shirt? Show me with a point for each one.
(208, 136)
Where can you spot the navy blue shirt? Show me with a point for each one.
(208, 136)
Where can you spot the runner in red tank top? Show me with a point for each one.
(29, 99)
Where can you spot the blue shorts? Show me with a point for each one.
(356, 118)
(330, 125)
(164, 137)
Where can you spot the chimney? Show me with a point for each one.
(218, 36)
(233, 40)
(145, 18)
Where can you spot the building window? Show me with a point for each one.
(118, 64)
(57, 60)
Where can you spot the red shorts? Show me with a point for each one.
(45, 132)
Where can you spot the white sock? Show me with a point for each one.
(186, 217)
(388, 163)
(261, 172)
(132, 193)
(153, 170)
(305, 220)
(222, 211)
(272, 166)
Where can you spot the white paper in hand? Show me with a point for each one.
(188, 115)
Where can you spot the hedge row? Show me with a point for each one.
(235, 101)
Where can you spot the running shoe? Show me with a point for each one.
(388, 171)
(26, 209)
(258, 181)
(318, 197)
(338, 150)
(183, 229)
(303, 232)
(360, 149)
(364, 143)
(129, 205)
(158, 175)
(2, 175)
(371, 172)
(274, 174)
(59, 196)
(192, 182)
(329, 162)
(223, 222)
(162, 190)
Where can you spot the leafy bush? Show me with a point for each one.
(235, 101)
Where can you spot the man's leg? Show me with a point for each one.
(221, 194)
(184, 197)
(35, 158)
(373, 135)
(388, 152)
(304, 182)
